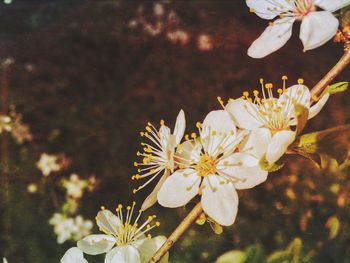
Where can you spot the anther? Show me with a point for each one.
(300, 81)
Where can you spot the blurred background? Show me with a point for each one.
(80, 79)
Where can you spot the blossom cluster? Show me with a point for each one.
(227, 152)
(70, 228)
(13, 124)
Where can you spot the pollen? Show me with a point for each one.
(300, 81)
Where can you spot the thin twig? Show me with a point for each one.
(181, 228)
(328, 78)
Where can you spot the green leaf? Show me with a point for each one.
(333, 224)
(302, 114)
(279, 257)
(295, 249)
(332, 142)
(336, 88)
(254, 254)
(266, 166)
(233, 256)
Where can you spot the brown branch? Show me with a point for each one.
(328, 78)
(184, 225)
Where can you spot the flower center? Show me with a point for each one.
(273, 113)
(303, 7)
(206, 165)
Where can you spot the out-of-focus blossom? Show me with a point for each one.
(5, 123)
(154, 29)
(178, 36)
(92, 182)
(212, 168)
(317, 26)
(20, 131)
(124, 240)
(32, 188)
(204, 42)
(48, 164)
(159, 156)
(270, 119)
(75, 186)
(158, 9)
(9, 60)
(68, 228)
(4, 260)
(73, 255)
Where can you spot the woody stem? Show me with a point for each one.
(178, 232)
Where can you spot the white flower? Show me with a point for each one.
(270, 119)
(4, 260)
(48, 164)
(75, 186)
(67, 228)
(63, 227)
(317, 27)
(5, 123)
(123, 241)
(159, 156)
(214, 169)
(73, 255)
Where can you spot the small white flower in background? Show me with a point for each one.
(270, 119)
(4, 260)
(159, 156)
(20, 131)
(67, 228)
(212, 168)
(125, 239)
(75, 186)
(5, 123)
(73, 255)
(317, 26)
(48, 164)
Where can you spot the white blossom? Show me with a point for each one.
(158, 156)
(317, 26)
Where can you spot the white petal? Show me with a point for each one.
(269, 9)
(316, 108)
(218, 132)
(180, 126)
(244, 168)
(179, 188)
(73, 255)
(189, 152)
(164, 136)
(152, 198)
(244, 114)
(219, 200)
(219, 121)
(96, 244)
(148, 247)
(278, 145)
(297, 93)
(257, 142)
(331, 5)
(317, 28)
(108, 222)
(273, 38)
(123, 254)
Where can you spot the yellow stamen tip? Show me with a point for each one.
(284, 77)
(162, 122)
(300, 81)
